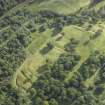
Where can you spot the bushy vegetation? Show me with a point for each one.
(17, 32)
(50, 87)
(5, 5)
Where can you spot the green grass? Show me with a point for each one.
(35, 59)
(28, 73)
(60, 6)
(85, 51)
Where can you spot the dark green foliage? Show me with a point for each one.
(57, 28)
(42, 28)
(97, 33)
(4, 35)
(24, 37)
(5, 5)
(50, 85)
(99, 90)
(93, 2)
(13, 40)
(70, 47)
(86, 42)
(90, 66)
(46, 49)
(50, 88)
(10, 96)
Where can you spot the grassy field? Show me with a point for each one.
(84, 52)
(35, 59)
(53, 51)
(27, 72)
(60, 6)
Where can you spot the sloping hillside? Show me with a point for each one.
(52, 53)
(60, 6)
(6, 5)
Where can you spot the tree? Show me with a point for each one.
(47, 48)
(53, 102)
(42, 28)
(38, 101)
(99, 90)
(93, 2)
